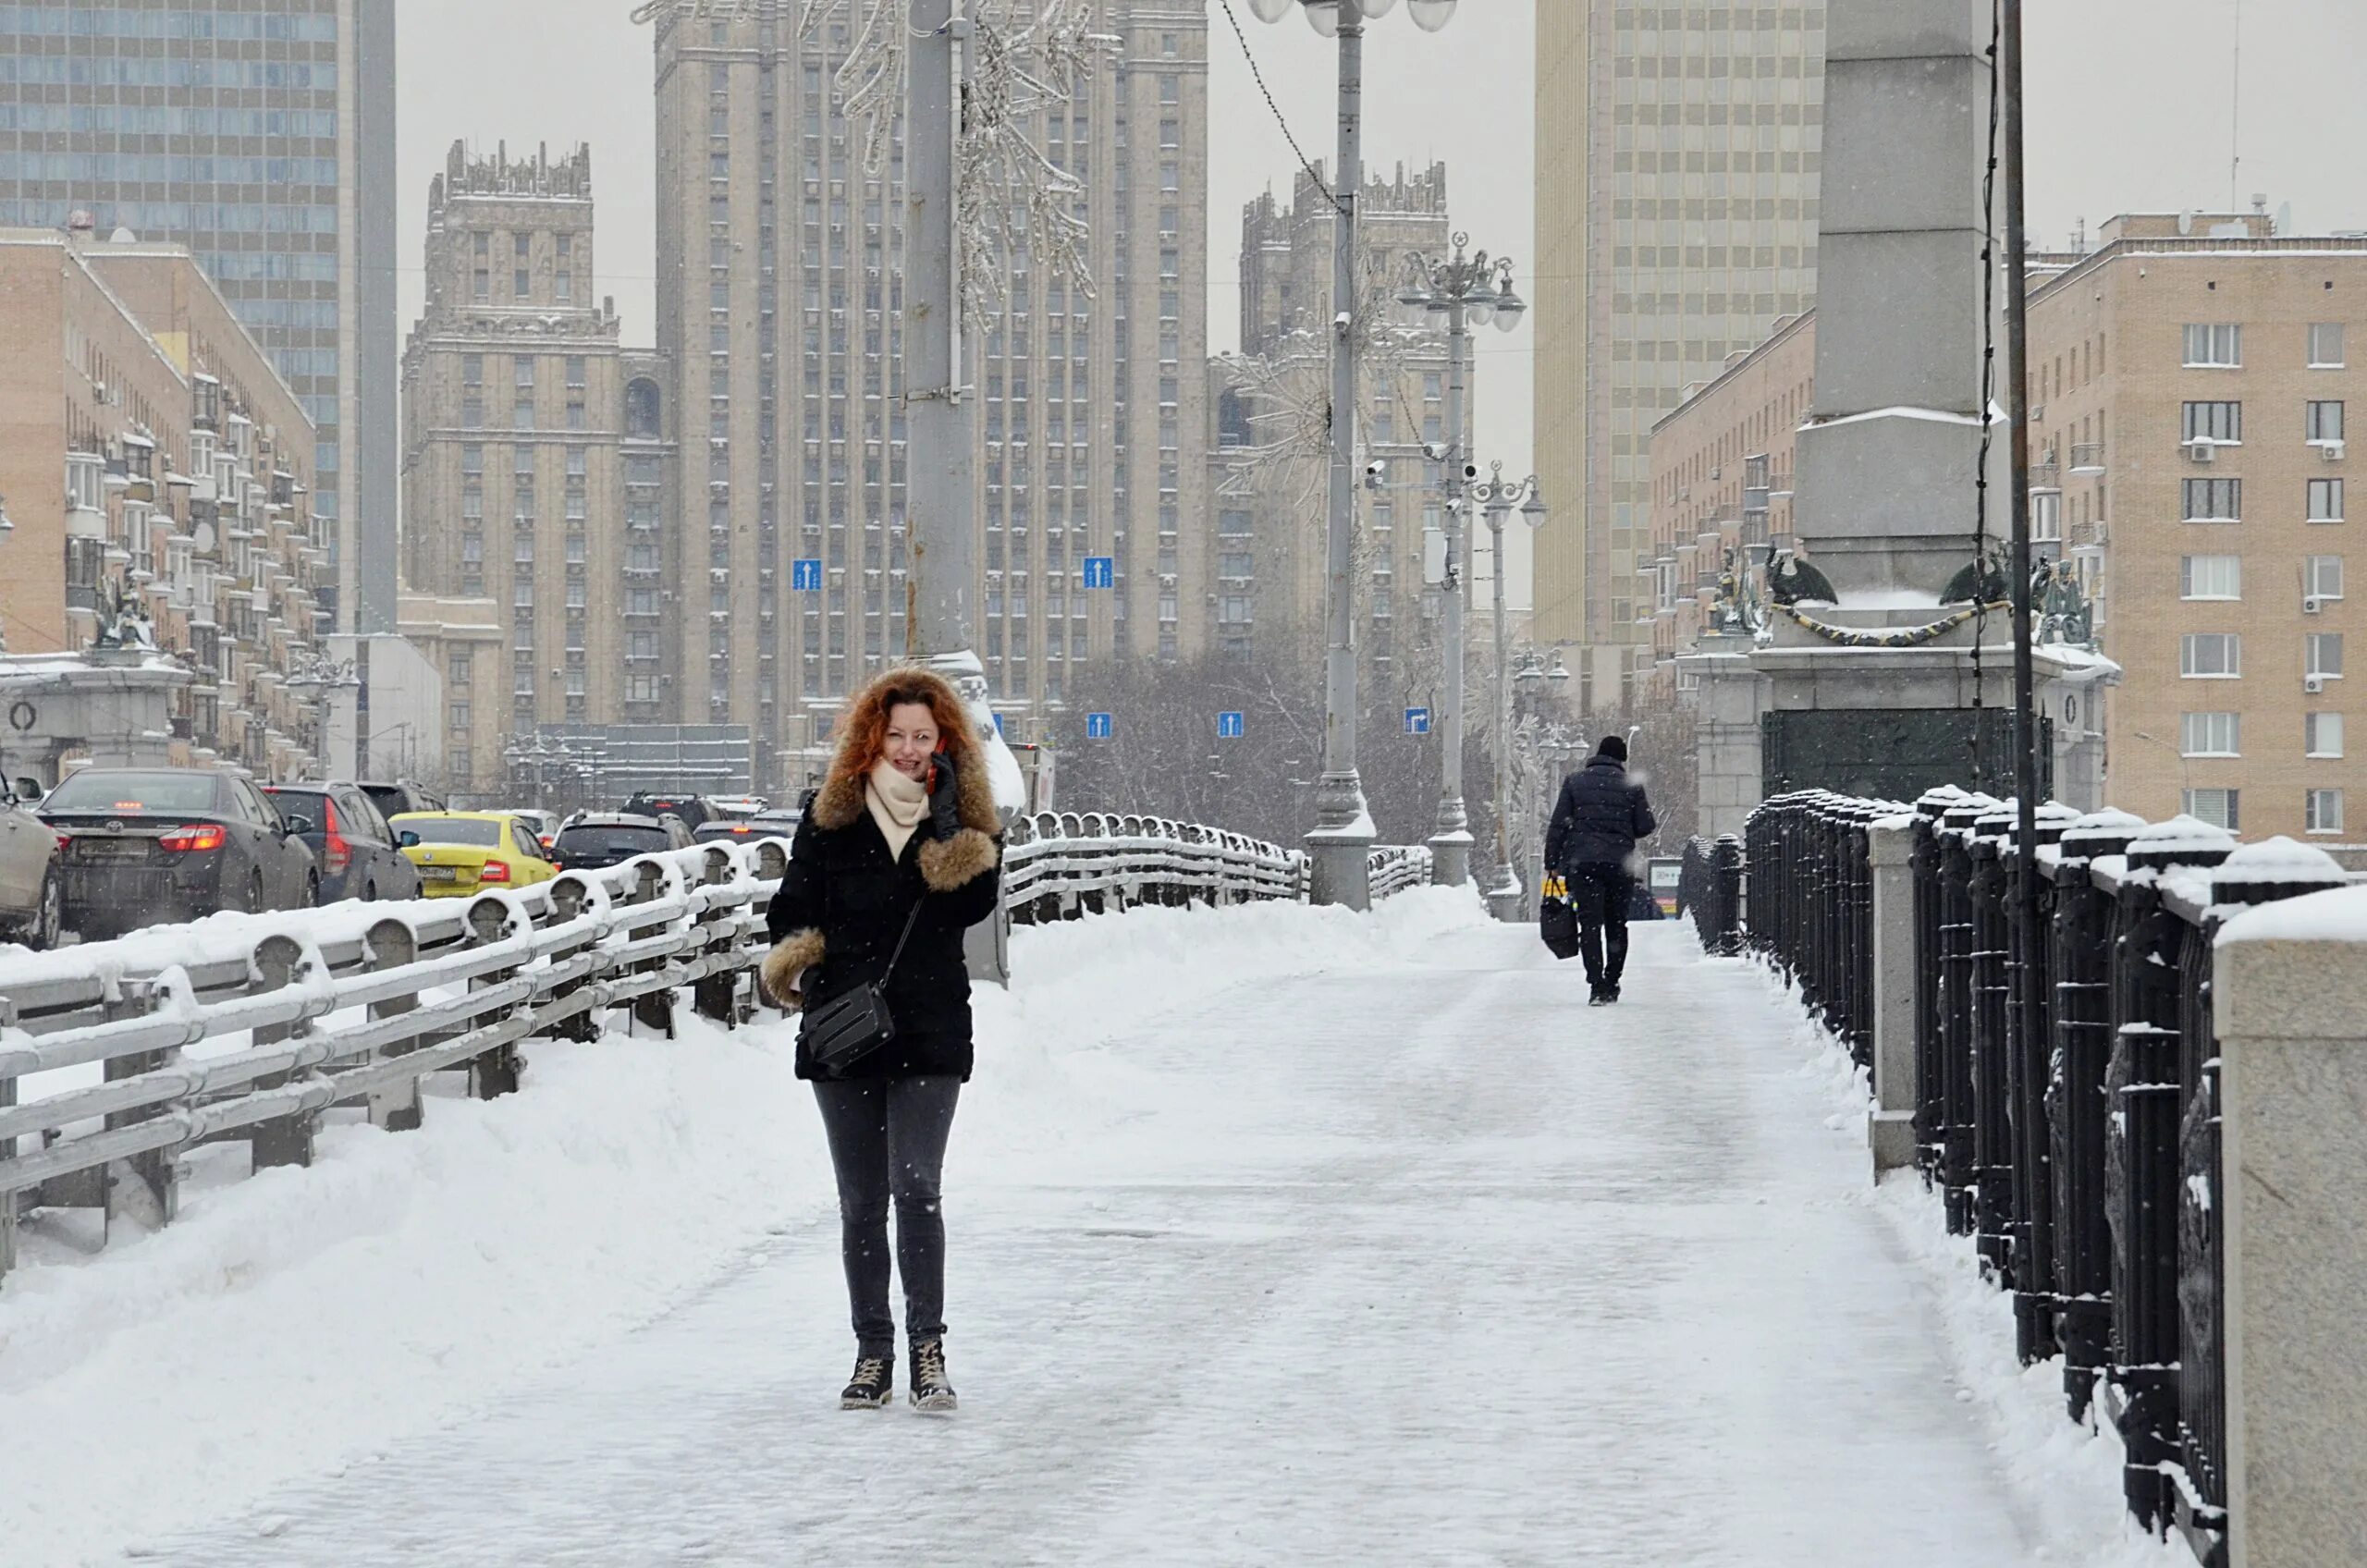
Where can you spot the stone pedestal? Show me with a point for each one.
(1891, 1129)
(2291, 1015)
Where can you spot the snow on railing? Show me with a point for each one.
(1391, 869)
(119, 1058)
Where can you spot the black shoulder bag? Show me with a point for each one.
(847, 1028)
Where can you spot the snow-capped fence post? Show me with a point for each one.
(1891, 973)
(2078, 1106)
(286, 1140)
(1992, 983)
(652, 1009)
(1957, 1161)
(713, 995)
(492, 1072)
(2289, 1003)
(392, 944)
(2141, 1087)
(2030, 1050)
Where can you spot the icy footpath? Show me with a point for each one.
(291, 1324)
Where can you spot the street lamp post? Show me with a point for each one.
(1468, 291)
(1343, 828)
(1497, 497)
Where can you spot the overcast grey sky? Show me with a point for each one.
(2130, 107)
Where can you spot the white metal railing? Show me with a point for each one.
(1069, 863)
(1391, 869)
(250, 1027)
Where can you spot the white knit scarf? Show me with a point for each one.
(897, 805)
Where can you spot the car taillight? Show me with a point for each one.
(198, 837)
(494, 870)
(340, 853)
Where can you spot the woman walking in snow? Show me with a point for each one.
(900, 853)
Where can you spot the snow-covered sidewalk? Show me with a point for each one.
(1277, 1235)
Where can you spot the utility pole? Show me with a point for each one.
(941, 481)
(1343, 829)
(2026, 727)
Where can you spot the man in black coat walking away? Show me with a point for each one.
(1595, 825)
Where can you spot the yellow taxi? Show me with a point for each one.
(460, 853)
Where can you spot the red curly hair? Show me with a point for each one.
(862, 732)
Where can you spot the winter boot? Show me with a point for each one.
(873, 1385)
(1599, 995)
(931, 1389)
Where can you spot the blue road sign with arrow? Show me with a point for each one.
(1101, 572)
(806, 575)
(1099, 727)
(1418, 721)
(1230, 726)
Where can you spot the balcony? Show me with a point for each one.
(2087, 458)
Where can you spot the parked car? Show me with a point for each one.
(33, 890)
(594, 840)
(402, 795)
(357, 850)
(142, 845)
(460, 853)
(736, 805)
(692, 809)
(769, 825)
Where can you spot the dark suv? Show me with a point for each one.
(591, 840)
(402, 795)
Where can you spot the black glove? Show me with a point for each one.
(944, 796)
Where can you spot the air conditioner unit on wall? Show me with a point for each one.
(2311, 603)
(2313, 684)
(2330, 451)
(2202, 452)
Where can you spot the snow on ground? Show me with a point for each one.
(2068, 1472)
(1277, 1234)
(301, 1318)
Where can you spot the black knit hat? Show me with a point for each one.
(1614, 747)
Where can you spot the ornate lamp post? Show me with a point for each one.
(1497, 497)
(1343, 827)
(1468, 291)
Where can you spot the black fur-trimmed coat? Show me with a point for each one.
(837, 912)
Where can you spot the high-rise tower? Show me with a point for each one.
(1676, 219)
(248, 133)
(779, 307)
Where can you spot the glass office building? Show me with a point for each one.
(251, 131)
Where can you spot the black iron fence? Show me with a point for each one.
(1709, 889)
(2079, 1147)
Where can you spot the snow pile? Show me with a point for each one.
(2067, 1474)
(303, 1318)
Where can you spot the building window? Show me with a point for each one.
(2322, 577)
(2209, 734)
(2210, 656)
(2323, 420)
(2210, 577)
(2214, 421)
(482, 285)
(459, 667)
(2326, 344)
(2322, 734)
(2213, 500)
(2218, 344)
(2217, 807)
(2325, 655)
(472, 369)
(2325, 500)
(2325, 811)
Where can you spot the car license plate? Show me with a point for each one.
(438, 874)
(113, 849)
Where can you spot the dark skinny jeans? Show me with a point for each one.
(888, 1142)
(1600, 892)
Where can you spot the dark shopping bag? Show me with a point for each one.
(1557, 921)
